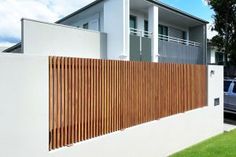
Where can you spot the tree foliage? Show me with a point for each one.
(225, 25)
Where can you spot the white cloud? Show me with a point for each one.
(12, 11)
(205, 2)
(210, 33)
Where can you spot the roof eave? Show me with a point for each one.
(177, 10)
(152, 1)
(10, 49)
(79, 11)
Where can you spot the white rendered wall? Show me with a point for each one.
(213, 56)
(23, 105)
(116, 25)
(215, 85)
(24, 119)
(50, 39)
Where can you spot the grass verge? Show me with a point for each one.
(223, 145)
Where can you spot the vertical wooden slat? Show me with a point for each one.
(70, 102)
(58, 102)
(73, 101)
(76, 99)
(86, 99)
(99, 95)
(79, 91)
(92, 101)
(83, 100)
(55, 105)
(94, 98)
(51, 96)
(62, 102)
(66, 102)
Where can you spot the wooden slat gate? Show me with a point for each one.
(90, 98)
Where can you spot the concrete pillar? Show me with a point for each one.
(153, 18)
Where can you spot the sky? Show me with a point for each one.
(12, 11)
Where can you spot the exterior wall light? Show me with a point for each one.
(212, 73)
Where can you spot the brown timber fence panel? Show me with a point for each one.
(90, 98)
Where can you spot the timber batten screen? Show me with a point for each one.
(89, 98)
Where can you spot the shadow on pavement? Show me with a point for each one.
(230, 118)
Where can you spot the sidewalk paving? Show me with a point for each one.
(229, 127)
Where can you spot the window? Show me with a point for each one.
(226, 85)
(184, 35)
(234, 90)
(146, 28)
(85, 26)
(163, 30)
(133, 22)
(219, 58)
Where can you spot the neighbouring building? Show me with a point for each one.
(214, 56)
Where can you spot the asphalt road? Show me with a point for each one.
(230, 118)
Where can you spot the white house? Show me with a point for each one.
(140, 30)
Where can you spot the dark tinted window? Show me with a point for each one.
(146, 28)
(226, 85)
(133, 22)
(234, 90)
(163, 30)
(184, 35)
(85, 26)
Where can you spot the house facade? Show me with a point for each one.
(140, 30)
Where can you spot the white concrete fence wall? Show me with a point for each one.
(40, 38)
(24, 118)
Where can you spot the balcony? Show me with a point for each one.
(177, 50)
(171, 49)
(140, 33)
(140, 45)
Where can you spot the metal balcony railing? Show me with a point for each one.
(143, 33)
(178, 40)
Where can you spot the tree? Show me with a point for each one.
(225, 25)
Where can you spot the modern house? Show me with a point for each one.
(138, 30)
(115, 78)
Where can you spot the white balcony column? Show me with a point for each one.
(153, 18)
(116, 25)
(126, 31)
